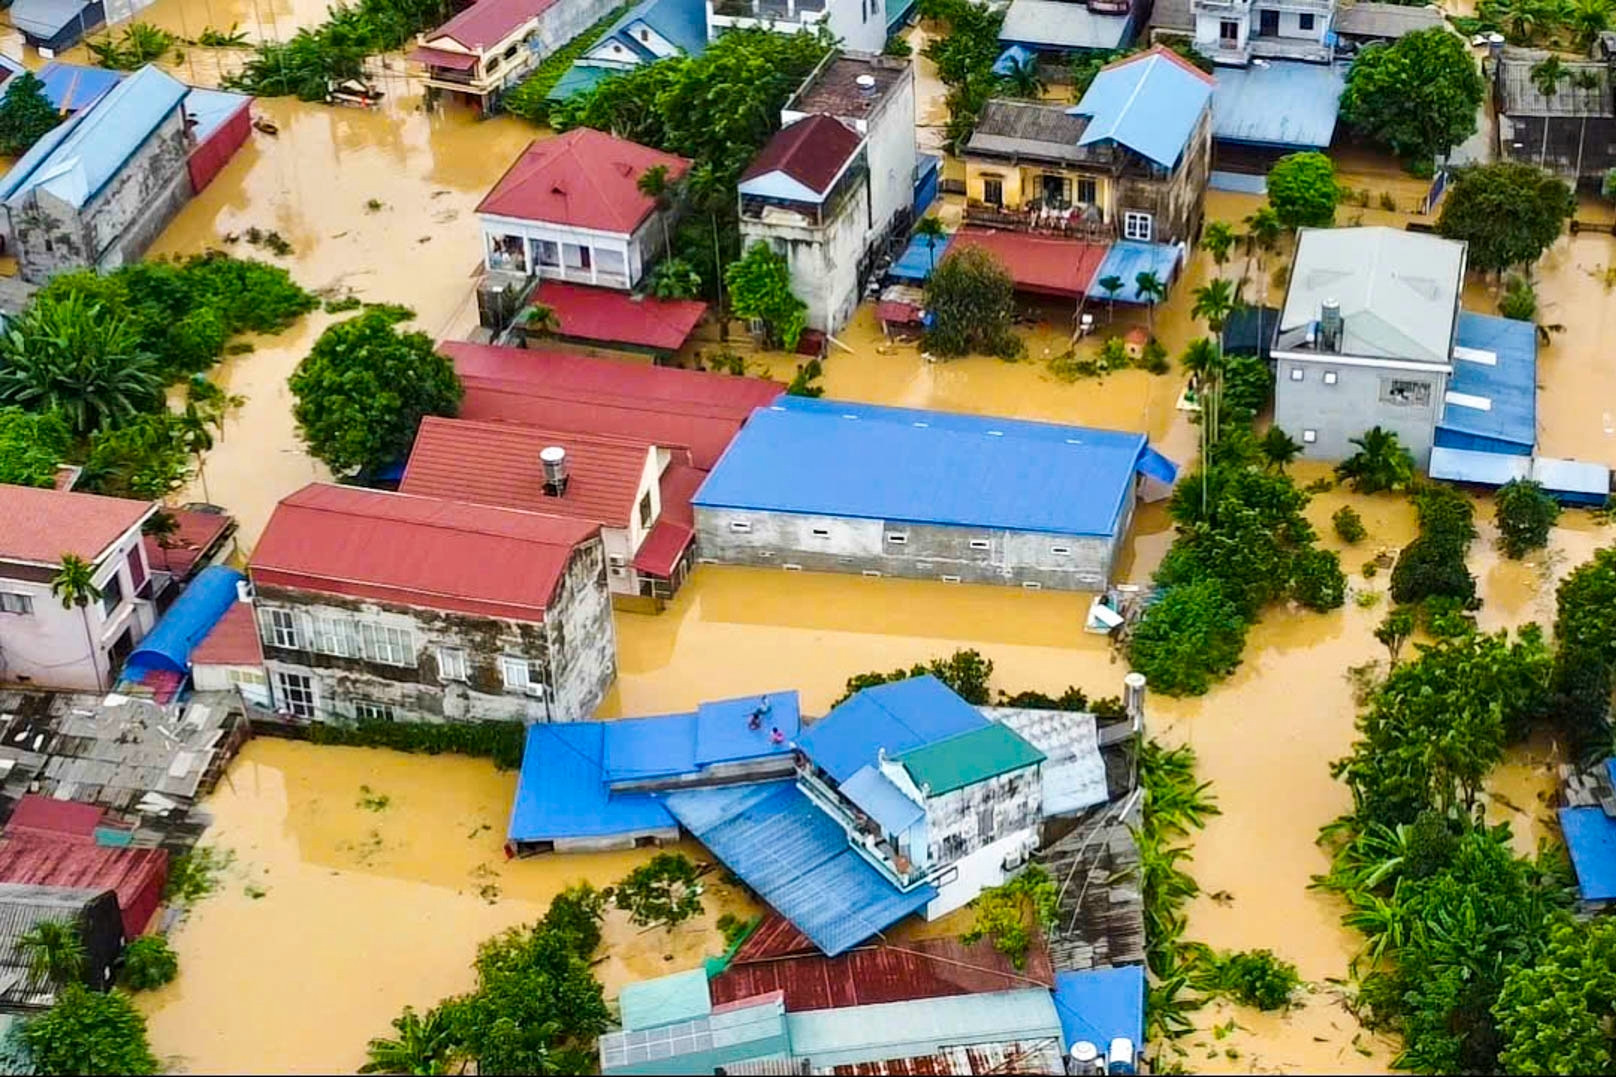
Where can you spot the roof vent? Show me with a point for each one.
(558, 189)
(1330, 326)
(866, 85)
(554, 460)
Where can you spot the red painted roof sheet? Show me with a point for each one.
(135, 875)
(231, 642)
(454, 61)
(778, 958)
(488, 22)
(40, 525)
(599, 314)
(679, 484)
(1167, 54)
(417, 551)
(1046, 265)
(197, 534)
(811, 151)
(662, 548)
(585, 178)
(57, 820)
(498, 464)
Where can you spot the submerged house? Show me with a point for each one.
(864, 29)
(94, 915)
(1572, 131)
(386, 606)
(1056, 28)
(832, 486)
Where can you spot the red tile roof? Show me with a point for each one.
(697, 410)
(811, 151)
(135, 875)
(231, 642)
(488, 22)
(498, 464)
(585, 178)
(454, 61)
(1046, 265)
(198, 533)
(40, 525)
(57, 820)
(778, 958)
(608, 317)
(417, 551)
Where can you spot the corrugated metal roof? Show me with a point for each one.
(897, 717)
(498, 464)
(44, 19)
(811, 152)
(664, 545)
(873, 793)
(797, 859)
(135, 875)
(488, 22)
(1508, 383)
(1484, 468)
(1571, 97)
(1128, 258)
(725, 733)
(701, 1045)
(665, 1000)
(1101, 1005)
(454, 61)
(232, 642)
(1578, 482)
(212, 109)
(1042, 1056)
(603, 316)
(1058, 25)
(22, 908)
(584, 179)
(1150, 102)
(1390, 21)
(967, 758)
(682, 22)
(1244, 109)
(417, 551)
(1398, 291)
(637, 749)
(1046, 265)
(196, 535)
(561, 792)
(1590, 836)
(1031, 128)
(101, 140)
(922, 1026)
(202, 604)
(836, 458)
(40, 526)
(62, 820)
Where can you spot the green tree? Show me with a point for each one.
(1112, 284)
(1190, 637)
(654, 184)
(1303, 191)
(1349, 526)
(54, 950)
(965, 672)
(930, 228)
(1433, 565)
(1394, 630)
(972, 301)
(1013, 913)
(1022, 79)
(1152, 289)
(74, 585)
(1583, 662)
(26, 114)
(1217, 239)
(146, 458)
(362, 391)
(1263, 229)
(79, 359)
(1590, 18)
(420, 1045)
(1526, 515)
(1519, 300)
(87, 1032)
(760, 289)
(674, 278)
(1317, 581)
(662, 892)
(32, 444)
(1278, 449)
(1417, 96)
(1547, 74)
(1555, 1014)
(1509, 213)
(148, 963)
(1381, 463)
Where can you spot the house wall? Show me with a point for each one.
(890, 149)
(635, 252)
(500, 67)
(824, 260)
(860, 24)
(850, 544)
(1173, 199)
(1358, 400)
(119, 223)
(1580, 148)
(973, 831)
(52, 647)
(622, 543)
(1023, 182)
(573, 651)
(250, 681)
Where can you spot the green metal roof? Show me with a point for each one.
(665, 1000)
(968, 758)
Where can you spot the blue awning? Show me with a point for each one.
(1156, 466)
(192, 616)
(1101, 1005)
(882, 801)
(916, 262)
(1127, 259)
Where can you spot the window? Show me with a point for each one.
(329, 638)
(283, 629)
(1137, 226)
(10, 603)
(451, 664)
(822, 532)
(616, 561)
(645, 35)
(1329, 377)
(951, 579)
(386, 644)
(1060, 551)
(547, 252)
(367, 710)
(993, 190)
(1087, 192)
(872, 573)
(111, 594)
(645, 510)
(508, 53)
(575, 257)
(1297, 373)
(1228, 31)
(792, 568)
(1405, 393)
(1056, 190)
(295, 693)
(1032, 585)
(984, 822)
(1304, 22)
(517, 673)
(611, 262)
(506, 252)
(1309, 436)
(251, 677)
(981, 544)
(491, 65)
(897, 538)
(1268, 23)
(740, 527)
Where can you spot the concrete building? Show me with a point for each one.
(99, 188)
(831, 486)
(1367, 337)
(492, 45)
(1236, 32)
(374, 605)
(649, 31)
(81, 648)
(860, 25)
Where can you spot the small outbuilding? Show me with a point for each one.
(94, 912)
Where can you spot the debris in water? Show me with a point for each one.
(372, 801)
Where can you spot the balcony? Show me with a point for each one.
(1287, 48)
(1067, 223)
(743, 12)
(862, 834)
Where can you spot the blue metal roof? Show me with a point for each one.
(724, 732)
(917, 260)
(898, 717)
(1158, 467)
(1128, 258)
(682, 22)
(1101, 1005)
(797, 859)
(636, 749)
(1509, 384)
(836, 458)
(200, 606)
(578, 79)
(1482, 468)
(1590, 835)
(562, 793)
(897, 13)
(211, 108)
(100, 140)
(1287, 104)
(1150, 103)
(71, 87)
(882, 801)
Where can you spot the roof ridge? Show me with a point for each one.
(538, 432)
(459, 526)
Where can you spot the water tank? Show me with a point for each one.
(1085, 1060)
(866, 85)
(1119, 1058)
(553, 458)
(1330, 326)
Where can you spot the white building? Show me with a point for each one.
(493, 45)
(1239, 31)
(859, 24)
(43, 644)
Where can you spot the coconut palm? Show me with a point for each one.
(708, 191)
(54, 950)
(541, 320)
(74, 584)
(1152, 289)
(1548, 74)
(1278, 449)
(1262, 233)
(1021, 79)
(931, 229)
(424, 1045)
(1112, 285)
(653, 183)
(1381, 463)
(162, 527)
(1217, 239)
(1214, 302)
(70, 355)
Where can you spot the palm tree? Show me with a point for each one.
(1152, 289)
(1381, 463)
(162, 527)
(191, 428)
(1278, 449)
(74, 584)
(1112, 285)
(1548, 74)
(1022, 79)
(1217, 239)
(653, 183)
(931, 229)
(1203, 359)
(55, 951)
(709, 193)
(67, 354)
(1214, 302)
(1262, 232)
(541, 320)
(424, 1045)
(1590, 18)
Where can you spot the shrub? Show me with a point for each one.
(88, 1032)
(1252, 978)
(662, 892)
(1349, 526)
(972, 300)
(530, 98)
(1434, 563)
(1190, 637)
(501, 742)
(148, 963)
(1526, 514)
(1013, 913)
(964, 671)
(1317, 581)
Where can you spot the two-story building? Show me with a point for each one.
(492, 45)
(42, 642)
(860, 25)
(649, 31)
(375, 605)
(1236, 32)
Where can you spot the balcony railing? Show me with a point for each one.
(1287, 48)
(771, 10)
(863, 836)
(449, 74)
(1067, 223)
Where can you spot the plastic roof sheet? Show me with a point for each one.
(1128, 258)
(1509, 383)
(188, 621)
(1101, 1005)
